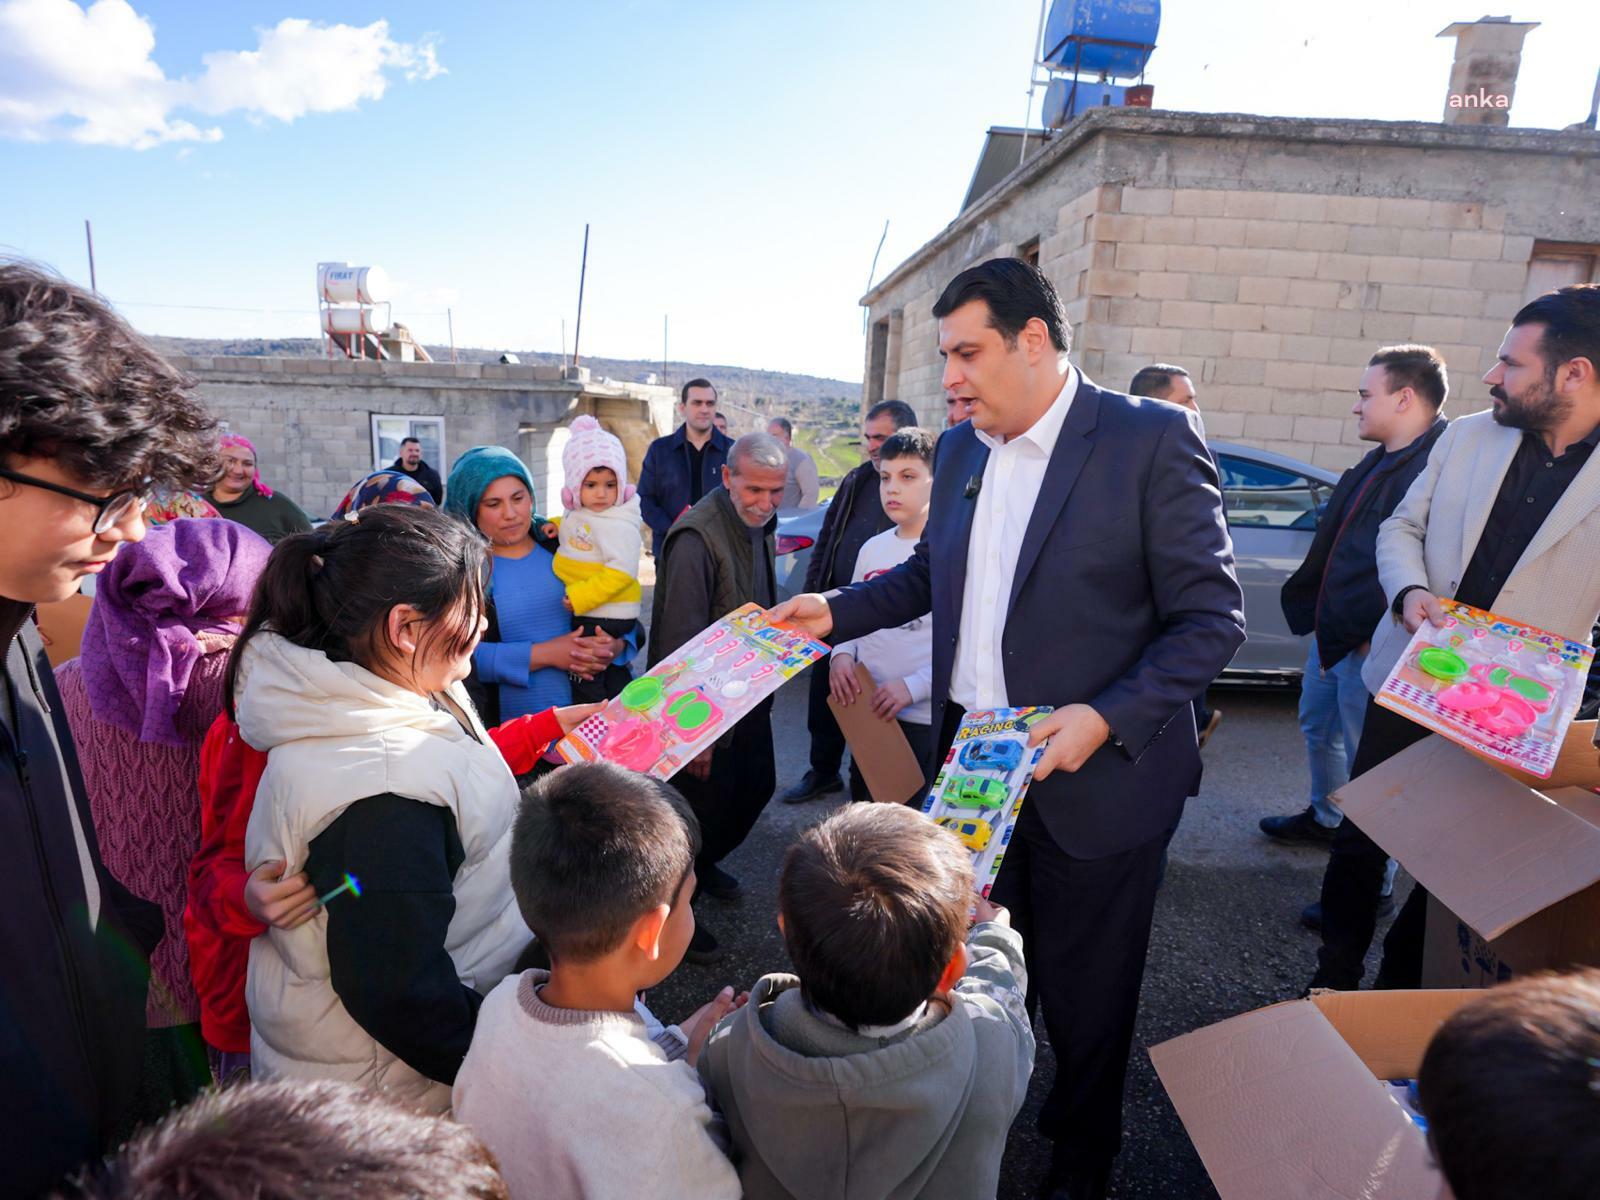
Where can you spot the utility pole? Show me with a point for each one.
(88, 235)
(664, 319)
(451, 321)
(583, 271)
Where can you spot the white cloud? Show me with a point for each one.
(88, 75)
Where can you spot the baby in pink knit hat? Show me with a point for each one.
(601, 539)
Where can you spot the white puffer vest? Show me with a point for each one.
(335, 733)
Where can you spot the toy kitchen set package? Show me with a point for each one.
(1502, 689)
(664, 718)
(979, 789)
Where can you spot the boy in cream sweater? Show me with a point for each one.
(576, 1087)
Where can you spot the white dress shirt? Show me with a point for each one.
(1001, 511)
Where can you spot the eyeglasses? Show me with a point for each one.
(108, 510)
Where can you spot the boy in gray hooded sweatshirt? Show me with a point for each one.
(893, 1066)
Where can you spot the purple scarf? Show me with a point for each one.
(140, 647)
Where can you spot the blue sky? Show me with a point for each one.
(736, 161)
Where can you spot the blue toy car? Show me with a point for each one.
(991, 754)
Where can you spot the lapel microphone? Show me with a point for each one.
(974, 486)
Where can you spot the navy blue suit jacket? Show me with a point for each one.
(1125, 598)
(664, 478)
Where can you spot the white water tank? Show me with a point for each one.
(352, 320)
(340, 283)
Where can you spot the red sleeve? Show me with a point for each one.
(522, 740)
(230, 770)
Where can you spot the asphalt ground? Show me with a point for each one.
(1227, 937)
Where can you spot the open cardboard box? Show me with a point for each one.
(1512, 870)
(1285, 1102)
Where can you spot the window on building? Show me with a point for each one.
(388, 432)
(1028, 252)
(1557, 264)
(878, 361)
(1263, 495)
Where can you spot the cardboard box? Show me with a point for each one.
(1512, 870)
(61, 624)
(888, 765)
(1286, 1101)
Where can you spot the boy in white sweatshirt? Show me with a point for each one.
(899, 660)
(577, 1088)
(601, 538)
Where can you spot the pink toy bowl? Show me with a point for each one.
(634, 743)
(1469, 696)
(1511, 717)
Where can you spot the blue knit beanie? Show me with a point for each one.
(472, 474)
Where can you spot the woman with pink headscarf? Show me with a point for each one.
(241, 496)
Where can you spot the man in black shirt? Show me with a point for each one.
(684, 465)
(1544, 383)
(411, 463)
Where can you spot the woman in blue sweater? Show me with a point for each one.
(536, 650)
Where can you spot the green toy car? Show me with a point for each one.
(974, 791)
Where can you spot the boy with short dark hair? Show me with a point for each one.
(1511, 1088)
(575, 1086)
(299, 1139)
(900, 660)
(894, 1065)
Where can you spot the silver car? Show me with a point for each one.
(1273, 502)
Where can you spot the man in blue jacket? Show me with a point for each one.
(1336, 594)
(684, 465)
(1076, 555)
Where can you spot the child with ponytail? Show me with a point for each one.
(382, 786)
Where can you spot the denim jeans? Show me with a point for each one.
(1333, 706)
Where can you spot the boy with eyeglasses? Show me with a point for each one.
(92, 420)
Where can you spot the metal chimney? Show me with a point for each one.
(1483, 78)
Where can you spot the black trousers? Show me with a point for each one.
(1085, 926)
(729, 802)
(827, 740)
(1353, 882)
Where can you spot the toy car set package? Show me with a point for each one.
(1503, 689)
(979, 789)
(664, 718)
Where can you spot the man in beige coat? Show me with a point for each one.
(1505, 516)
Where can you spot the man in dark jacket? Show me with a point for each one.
(411, 463)
(684, 465)
(91, 419)
(855, 515)
(1335, 594)
(722, 556)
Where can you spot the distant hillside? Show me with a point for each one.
(822, 402)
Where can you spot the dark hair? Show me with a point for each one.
(898, 411)
(1419, 368)
(1571, 320)
(1155, 380)
(1015, 292)
(593, 849)
(80, 387)
(1510, 1085)
(404, 442)
(297, 1140)
(332, 589)
(683, 396)
(909, 442)
(874, 903)
(784, 424)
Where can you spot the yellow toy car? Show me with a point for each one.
(974, 833)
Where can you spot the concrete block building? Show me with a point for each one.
(1269, 256)
(318, 425)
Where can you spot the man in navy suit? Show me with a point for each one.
(1076, 555)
